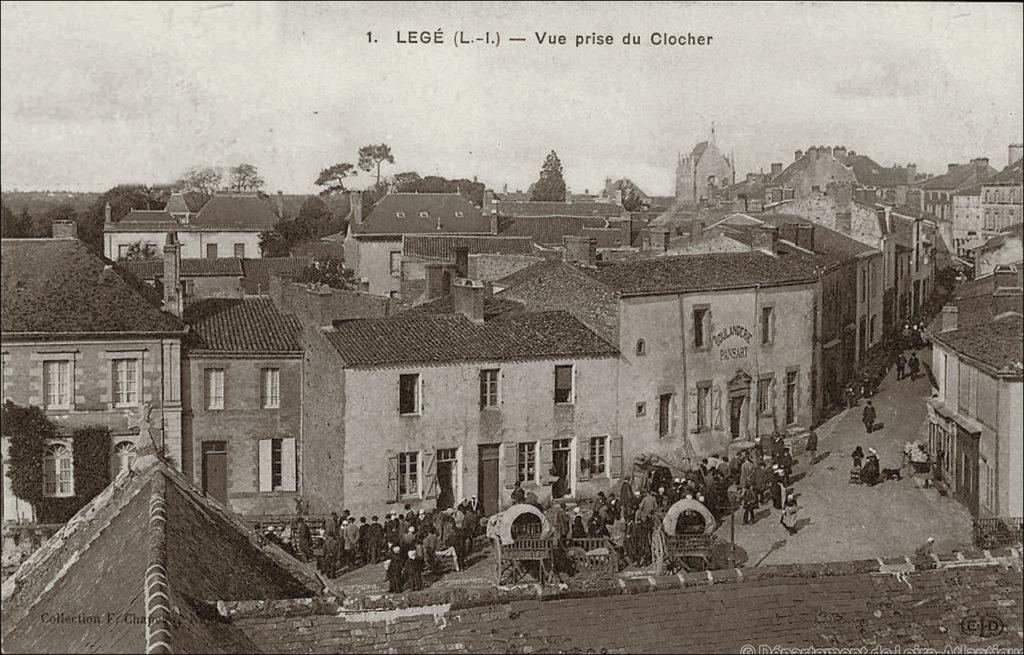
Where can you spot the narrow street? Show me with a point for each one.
(843, 521)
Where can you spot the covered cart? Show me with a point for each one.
(524, 544)
(685, 537)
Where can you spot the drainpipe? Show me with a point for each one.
(757, 363)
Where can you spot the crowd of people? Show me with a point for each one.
(409, 544)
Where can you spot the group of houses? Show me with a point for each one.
(540, 343)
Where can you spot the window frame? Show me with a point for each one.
(641, 348)
(703, 402)
(68, 383)
(270, 388)
(417, 391)
(701, 326)
(490, 389)
(641, 409)
(597, 451)
(212, 248)
(122, 459)
(571, 398)
(56, 474)
(409, 474)
(665, 415)
(116, 389)
(236, 248)
(526, 461)
(767, 331)
(765, 397)
(395, 271)
(209, 397)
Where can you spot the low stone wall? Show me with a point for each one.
(19, 540)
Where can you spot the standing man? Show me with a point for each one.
(812, 445)
(351, 534)
(749, 504)
(746, 472)
(868, 417)
(901, 366)
(915, 366)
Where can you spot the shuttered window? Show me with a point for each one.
(408, 393)
(599, 455)
(526, 461)
(664, 414)
(277, 471)
(214, 388)
(703, 398)
(270, 388)
(563, 384)
(489, 387)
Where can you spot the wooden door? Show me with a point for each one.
(487, 478)
(735, 412)
(215, 470)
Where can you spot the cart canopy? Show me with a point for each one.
(499, 526)
(672, 516)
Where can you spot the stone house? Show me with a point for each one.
(1002, 197)
(703, 173)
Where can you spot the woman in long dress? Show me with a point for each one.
(788, 519)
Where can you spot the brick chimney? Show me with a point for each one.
(776, 168)
(438, 280)
(580, 250)
(173, 296)
(461, 260)
(911, 174)
(948, 319)
(805, 237)
(1004, 276)
(797, 155)
(64, 230)
(787, 232)
(355, 200)
(766, 239)
(980, 162)
(490, 210)
(468, 298)
(106, 214)
(950, 167)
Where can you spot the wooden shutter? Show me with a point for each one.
(584, 451)
(771, 397)
(392, 488)
(694, 419)
(575, 380)
(511, 465)
(716, 407)
(266, 480)
(547, 460)
(615, 456)
(430, 471)
(288, 471)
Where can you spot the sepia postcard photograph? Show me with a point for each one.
(512, 327)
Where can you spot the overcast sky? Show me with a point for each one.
(93, 95)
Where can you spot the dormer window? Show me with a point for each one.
(400, 214)
(424, 214)
(641, 348)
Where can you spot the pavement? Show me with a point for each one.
(837, 520)
(840, 521)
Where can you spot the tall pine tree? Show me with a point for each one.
(550, 186)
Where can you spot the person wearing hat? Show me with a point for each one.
(518, 495)
(746, 472)
(870, 474)
(351, 535)
(778, 491)
(868, 417)
(394, 570)
(578, 530)
(374, 539)
(788, 518)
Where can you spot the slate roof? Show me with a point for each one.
(493, 306)
(144, 220)
(606, 237)
(400, 213)
(566, 209)
(870, 173)
(152, 269)
(1012, 174)
(250, 325)
(826, 240)
(423, 338)
(237, 210)
(442, 247)
(807, 161)
(527, 273)
(58, 286)
(101, 562)
(187, 202)
(257, 272)
(962, 175)
(549, 230)
(688, 273)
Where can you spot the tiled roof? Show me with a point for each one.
(418, 338)
(423, 213)
(256, 280)
(962, 175)
(686, 273)
(1012, 174)
(548, 231)
(152, 269)
(237, 210)
(442, 246)
(232, 325)
(569, 209)
(58, 286)
(606, 237)
(841, 172)
(101, 563)
(973, 190)
(143, 220)
(493, 306)
(527, 273)
(187, 202)
(826, 240)
(997, 343)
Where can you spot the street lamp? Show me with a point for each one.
(734, 496)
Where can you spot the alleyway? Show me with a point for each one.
(843, 521)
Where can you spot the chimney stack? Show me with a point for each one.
(787, 232)
(106, 214)
(580, 250)
(468, 298)
(949, 318)
(911, 174)
(840, 153)
(776, 168)
(980, 162)
(438, 279)
(797, 155)
(461, 261)
(766, 239)
(355, 200)
(1004, 276)
(64, 230)
(1016, 152)
(173, 300)
(950, 167)
(490, 210)
(280, 205)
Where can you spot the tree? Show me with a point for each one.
(328, 271)
(14, 226)
(332, 179)
(140, 252)
(122, 199)
(550, 186)
(246, 177)
(404, 182)
(314, 219)
(273, 243)
(371, 157)
(203, 180)
(62, 212)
